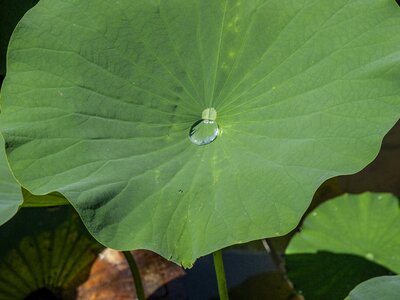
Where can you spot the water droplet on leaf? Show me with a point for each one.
(206, 130)
(203, 132)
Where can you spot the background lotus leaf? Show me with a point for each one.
(343, 242)
(99, 99)
(383, 288)
(45, 252)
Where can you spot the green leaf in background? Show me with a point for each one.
(100, 98)
(329, 276)
(382, 288)
(51, 199)
(367, 225)
(11, 11)
(44, 251)
(10, 191)
(343, 242)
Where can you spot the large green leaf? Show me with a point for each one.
(44, 251)
(367, 225)
(100, 98)
(382, 288)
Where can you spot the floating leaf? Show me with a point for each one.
(100, 100)
(382, 288)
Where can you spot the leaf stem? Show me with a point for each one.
(220, 272)
(135, 274)
(276, 257)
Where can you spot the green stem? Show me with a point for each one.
(220, 272)
(276, 258)
(135, 274)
